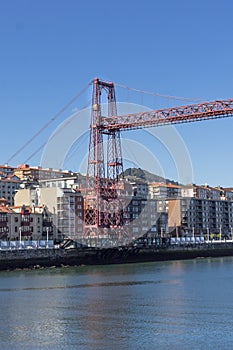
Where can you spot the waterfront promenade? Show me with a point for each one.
(36, 258)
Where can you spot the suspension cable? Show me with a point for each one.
(63, 109)
(159, 95)
(48, 123)
(68, 121)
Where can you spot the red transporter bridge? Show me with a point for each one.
(105, 208)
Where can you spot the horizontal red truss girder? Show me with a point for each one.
(175, 115)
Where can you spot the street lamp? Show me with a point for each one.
(47, 230)
(20, 236)
(208, 233)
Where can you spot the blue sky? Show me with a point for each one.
(51, 49)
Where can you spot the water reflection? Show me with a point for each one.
(155, 305)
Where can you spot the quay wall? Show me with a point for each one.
(36, 258)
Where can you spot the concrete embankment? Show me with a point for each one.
(13, 259)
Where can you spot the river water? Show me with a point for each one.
(161, 305)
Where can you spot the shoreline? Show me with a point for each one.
(42, 258)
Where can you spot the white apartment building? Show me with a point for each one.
(158, 190)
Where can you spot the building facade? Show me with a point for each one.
(6, 170)
(158, 190)
(8, 187)
(35, 173)
(201, 211)
(154, 209)
(64, 207)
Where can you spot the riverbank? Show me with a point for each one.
(35, 258)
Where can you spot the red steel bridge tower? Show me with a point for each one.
(105, 209)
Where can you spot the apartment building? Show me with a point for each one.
(21, 222)
(25, 223)
(137, 187)
(144, 218)
(202, 192)
(35, 173)
(5, 213)
(8, 187)
(6, 170)
(74, 181)
(200, 216)
(164, 190)
(65, 208)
